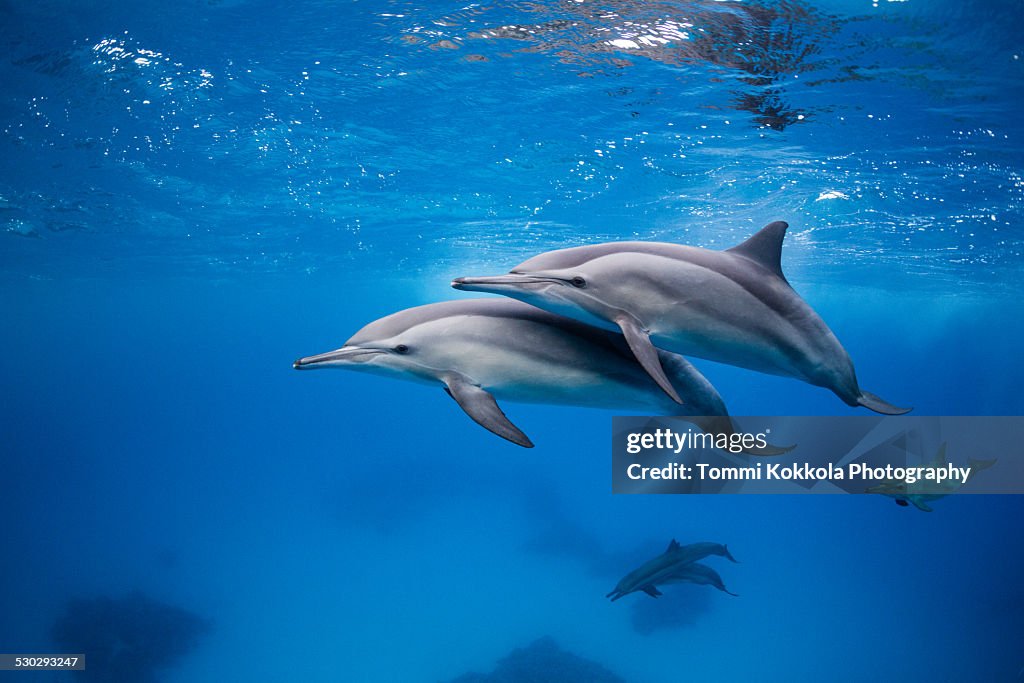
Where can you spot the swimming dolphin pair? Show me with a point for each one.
(733, 306)
(678, 564)
(481, 350)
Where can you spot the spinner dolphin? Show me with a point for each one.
(481, 350)
(678, 564)
(733, 306)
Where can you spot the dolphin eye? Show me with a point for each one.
(401, 348)
(578, 282)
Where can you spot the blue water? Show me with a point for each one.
(194, 194)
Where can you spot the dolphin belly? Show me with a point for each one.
(700, 312)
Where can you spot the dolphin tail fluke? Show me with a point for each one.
(728, 555)
(872, 402)
(481, 406)
(641, 346)
(979, 465)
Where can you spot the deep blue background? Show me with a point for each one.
(191, 196)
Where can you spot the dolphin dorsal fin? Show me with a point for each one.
(673, 545)
(765, 247)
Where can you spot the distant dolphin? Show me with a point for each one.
(924, 491)
(483, 349)
(696, 551)
(733, 306)
(668, 568)
(698, 573)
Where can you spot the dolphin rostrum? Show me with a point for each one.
(672, 566)
(733, 306)
(480, 350)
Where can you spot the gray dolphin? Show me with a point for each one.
(480, 350)
(692, 552)
(667, 568)
(923, 491)
(733, 306)
(698, 573)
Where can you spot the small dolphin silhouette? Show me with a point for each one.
(675, 565)
(925, 491)
(698, 573)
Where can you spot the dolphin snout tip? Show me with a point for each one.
(298, 364)
(488, 283)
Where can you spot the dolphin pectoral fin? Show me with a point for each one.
(872, 402)
(641, 346)
(765, 247)
(652, 591)
(481, 406)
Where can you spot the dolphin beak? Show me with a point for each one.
(498, 283)
(346, 354)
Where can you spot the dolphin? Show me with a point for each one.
(481, 350)
(924, 491)
(671, 563)
(733, 306)
(697, 551)
(698, 573)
